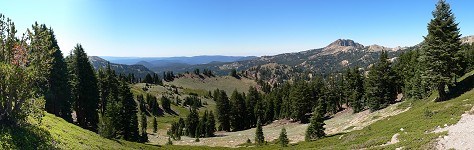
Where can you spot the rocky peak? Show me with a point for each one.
(345, 42)
(468, 39)
(341, 45)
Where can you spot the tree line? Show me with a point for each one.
(35, 75)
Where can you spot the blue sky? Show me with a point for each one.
(163, 28)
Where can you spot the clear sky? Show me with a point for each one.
(162, 28)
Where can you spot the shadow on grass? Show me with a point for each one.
(25, 137)
(171, 112)
(462, 87)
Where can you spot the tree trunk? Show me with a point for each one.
(441, 92)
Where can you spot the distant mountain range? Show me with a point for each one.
(161, 61)
(139, 71)
(159, 64)
(335, 57)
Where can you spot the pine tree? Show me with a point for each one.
(409, 70)
(259, 138)
(128, 119)
(233, 73)
(144, 135)
(203, 125)
(141, 102)
(283, 138)
(300, 98)
(355, 89)
(109, 121)
(379, 85)
(222, 109)
(58, 95)
(165, 103)
(148, 79)
(269, 108)
(251, 102)
(316, 127)
(85, 89)
(211, 125)
(155, 125)
(192, 121)
(238, 111)
(441, 49)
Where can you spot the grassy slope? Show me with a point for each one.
(226, 83)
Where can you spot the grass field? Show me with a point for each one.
(226, 83)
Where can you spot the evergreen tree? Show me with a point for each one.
(211, 125)
(192, 121)
(441, 50)
(285, 107)
(251, 102)
(128, 119)
(259, 138)
(109, 123)
(108, 86)
(84, 87)
(58, 95)
(196, 71)
(141, 102)
(106, 127)
(409, 70)
(233, 73)
(165, 103)
(155, 125)
(283, 138)
(24, 67)
(222, 109)
(355, 89)
(300, 98)
(144, 135)
(148, 79)
(269, 108)
(152, 103)
(379, 86)
(316, 127)
(238, 111)
(202, 128)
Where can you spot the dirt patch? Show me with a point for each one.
(344, 121)
(460, 135)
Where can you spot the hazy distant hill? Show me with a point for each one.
(162, 61)
(177, 64)
(139, 71)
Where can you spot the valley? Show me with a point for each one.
(236, 75)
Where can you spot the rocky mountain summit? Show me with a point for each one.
(341, 45)
(467, 39)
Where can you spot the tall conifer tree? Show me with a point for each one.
(85, 89)
(441, 49)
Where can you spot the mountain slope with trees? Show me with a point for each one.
(138, 71)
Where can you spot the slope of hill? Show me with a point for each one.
(226, 83)
(139, 71)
